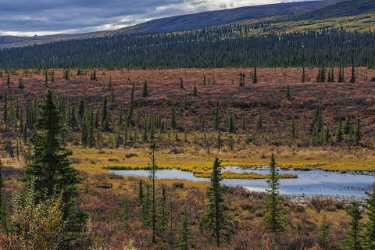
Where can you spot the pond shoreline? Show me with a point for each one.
(308, 183)
(253, 167)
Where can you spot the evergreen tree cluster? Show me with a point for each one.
(228, 46)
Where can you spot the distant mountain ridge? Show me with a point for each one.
(222, 17)
(305, 10)
(20, 41)
(341, 9)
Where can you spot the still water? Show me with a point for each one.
(308, 183)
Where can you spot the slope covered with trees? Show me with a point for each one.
(230, 46)
(180, 23)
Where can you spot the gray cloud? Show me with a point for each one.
(28, 17)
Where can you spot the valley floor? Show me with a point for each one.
(277, 115)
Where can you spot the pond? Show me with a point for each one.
(309, 183)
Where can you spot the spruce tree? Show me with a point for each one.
(50, 172)
(259, 123)
(243, 122)
(275, 215)
(81, 109)
(324, 235)
(341, 77)
(333, 74)
(214, 220)
(129, 120)
(93, 76)
(145, 131)
(317, 127)
(153, 180)
(323, 74)
(110, 87)
(353, 76)
(5, 110)
(217, 117)
(91, 133)
(242, 80)
(21, 85)
(347, 126)
(195, 90)
(219, 140)
(370, 227)
(325, 137)
(84, 133)
(146, 207)
(8, 80)
(353, 241)
(125, 214)
(66, 74)
(321, 77)
(339, 133)
(105, 116)
(249, 138)
(303, 78)
(140, 192)
(288, 94)
(183, 232)
(182, 83)
(173, 118)
(231, 124)
(357, 133)
(145, 89)
(46, 77)
(255, 76)
(293, 130)
(3, 214)
(163, 212)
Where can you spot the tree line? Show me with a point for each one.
(229, 46)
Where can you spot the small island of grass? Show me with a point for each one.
(243, 176)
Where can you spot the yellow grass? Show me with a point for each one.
(197, 160)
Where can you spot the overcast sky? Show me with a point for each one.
(41, 17)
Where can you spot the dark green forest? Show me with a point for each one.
(227, 46)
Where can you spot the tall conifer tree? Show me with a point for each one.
(215, 220)
(353, 241)
(50, 172)
(183, 239)
(275, 216)
(3, 214)
(370, 227)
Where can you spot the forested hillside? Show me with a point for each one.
(205, 48)
(304, 14)
(317, 33)
(180, 23)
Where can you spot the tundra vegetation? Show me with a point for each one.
(62, 129)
